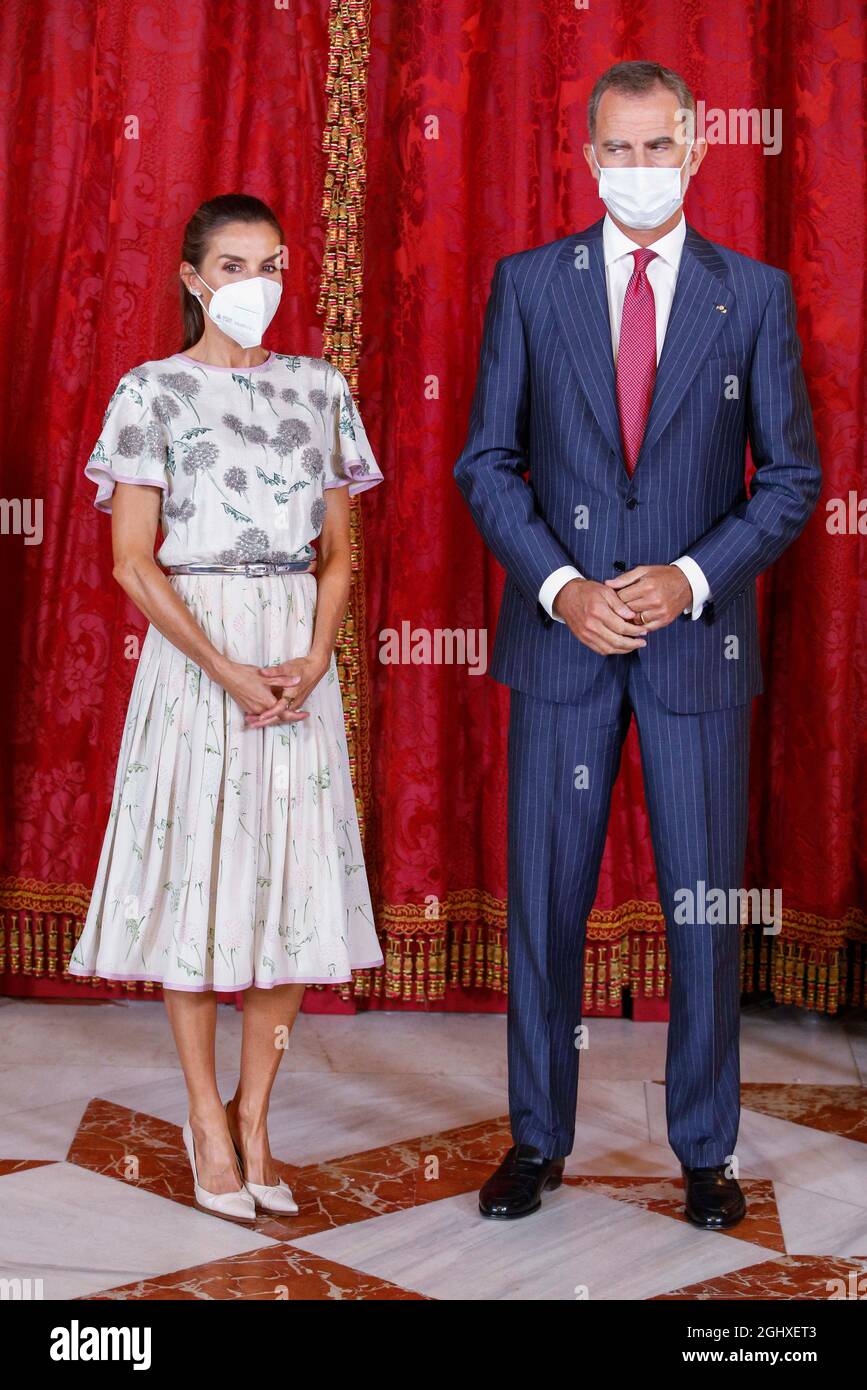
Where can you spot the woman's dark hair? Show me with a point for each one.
(205, 221)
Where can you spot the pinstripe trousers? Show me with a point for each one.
(563, 760)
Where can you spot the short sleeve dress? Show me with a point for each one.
(232, 856)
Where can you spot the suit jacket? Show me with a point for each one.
(545, 406)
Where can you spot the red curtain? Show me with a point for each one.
(477, 118)
(117, 119)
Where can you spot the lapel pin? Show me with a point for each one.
(722, 308)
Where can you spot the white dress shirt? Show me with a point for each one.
(662, 274)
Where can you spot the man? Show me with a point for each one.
(625, 368)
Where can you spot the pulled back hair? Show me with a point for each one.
(205, 221)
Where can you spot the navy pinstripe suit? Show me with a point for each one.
(545, 407)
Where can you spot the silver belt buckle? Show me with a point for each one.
(254, 569)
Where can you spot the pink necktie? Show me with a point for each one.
(636, 357)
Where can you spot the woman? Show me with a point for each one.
(232, 858)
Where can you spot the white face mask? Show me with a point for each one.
(243, 309)
(640, 197)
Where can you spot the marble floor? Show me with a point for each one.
(388, 1124)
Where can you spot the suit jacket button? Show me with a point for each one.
(620, 565)
(631, 503)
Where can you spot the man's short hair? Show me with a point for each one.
(637, 79)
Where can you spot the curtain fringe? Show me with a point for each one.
(423, 961)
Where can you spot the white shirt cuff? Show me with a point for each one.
(552, 586)
(697, 582)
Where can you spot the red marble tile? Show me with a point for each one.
(355, 1188)
(460, 1160)
(396, 1176)
(833, 1109)
(148, 1152)
(485, 1141)
(134, 1148)
(791, 1277)
(279, 1273)
(760, 1226)
(19, 1165)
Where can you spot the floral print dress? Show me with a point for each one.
(232, 856)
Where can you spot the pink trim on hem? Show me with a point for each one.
(212, 367)
(228, 989)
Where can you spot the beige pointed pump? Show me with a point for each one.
(276, 1199)
(232, 1206)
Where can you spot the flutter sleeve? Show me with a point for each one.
(352, 463)
(131, 447)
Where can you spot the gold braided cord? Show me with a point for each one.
(344, 141)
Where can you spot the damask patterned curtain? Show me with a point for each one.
(406, 146)
(474, 150)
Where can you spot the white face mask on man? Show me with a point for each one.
(642, 197)
(243, 309)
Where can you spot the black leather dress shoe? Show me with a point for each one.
(713, 1201)
(516, 1188)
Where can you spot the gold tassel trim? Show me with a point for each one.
(466, 948)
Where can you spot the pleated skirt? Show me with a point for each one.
(232, 856)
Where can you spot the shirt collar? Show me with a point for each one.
(669, 247)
